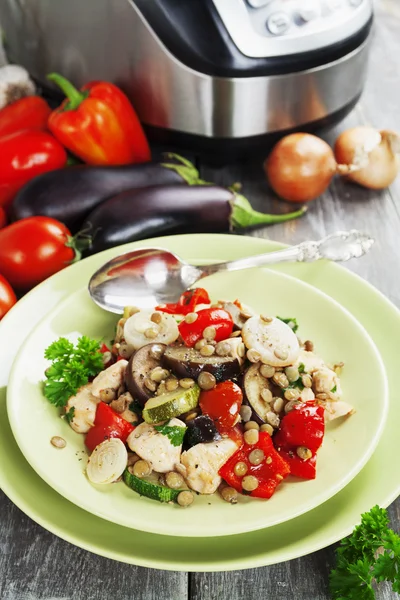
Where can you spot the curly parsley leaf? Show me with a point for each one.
(69, 415)
(292, 322)
(71, 367)
(370, 555)
(173, 432)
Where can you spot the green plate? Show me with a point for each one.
(307, 533)
(337, 337)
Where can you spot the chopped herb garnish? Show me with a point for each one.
(292, 322)
(71, 368)
(173, 432)
(301, 368)
(70, 414)
(334, 389)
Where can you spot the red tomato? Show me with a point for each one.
(234, 433)
(33, 249)
(7, 297)
(3, 218)
(222, 403)
(218, 318)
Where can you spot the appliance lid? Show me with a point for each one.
(196, 34)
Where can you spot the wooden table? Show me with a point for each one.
(36, 565)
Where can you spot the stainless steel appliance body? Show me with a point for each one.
(230, 69)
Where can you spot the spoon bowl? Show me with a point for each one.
(145, 277)
(152, 276)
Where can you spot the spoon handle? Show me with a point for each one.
(338, 247)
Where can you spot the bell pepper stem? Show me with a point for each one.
(75, 97)
(243, 215)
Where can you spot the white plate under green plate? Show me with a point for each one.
(348, 443)
(377, 483)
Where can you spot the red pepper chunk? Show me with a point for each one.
(304, 427)
(107, 424)
(187, 302)
(269, 473)
(218, 318)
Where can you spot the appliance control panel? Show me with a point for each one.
(266, 28)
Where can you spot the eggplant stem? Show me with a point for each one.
(243, 215)
(185, 169)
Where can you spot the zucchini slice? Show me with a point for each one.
(150, 487)
(165, 407)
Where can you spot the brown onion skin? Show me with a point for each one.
(300, 167)
(383, 165)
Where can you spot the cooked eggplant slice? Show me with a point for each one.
(188, 362)
(199, 430)
(140, 365)
(254, 383)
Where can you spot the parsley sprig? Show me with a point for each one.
(371, 554)
(292, 322)
(173, 432)
(72, 366)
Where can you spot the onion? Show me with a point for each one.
(368, 157)
(300, 167)
(107, 461)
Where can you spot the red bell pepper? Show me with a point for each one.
(218, 318)
(303, 427)
(222, 403)
(24, 155)
(98, 124)
(187, 302)
(31, 112)
(107, 424)
(269, 473)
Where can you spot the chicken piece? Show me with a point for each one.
(110, 379)
(155, 447)
(336, 409)
(325, 381)
(311, 361)
(202, 462)
(85, 406)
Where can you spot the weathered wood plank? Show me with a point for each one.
(343, 206)
(37, 565)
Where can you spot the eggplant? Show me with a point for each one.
(253, 384)
(200, 430)
(166, 210)
(70, 194)
(188, 362)
(139, 366)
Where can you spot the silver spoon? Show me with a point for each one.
(152, 276)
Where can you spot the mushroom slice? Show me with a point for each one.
(107, 461)
(275, 341)
(140, 330)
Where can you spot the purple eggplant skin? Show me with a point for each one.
(187, 362)
(159, 210)
(252, 385)
(70, 194)
(140, 365)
